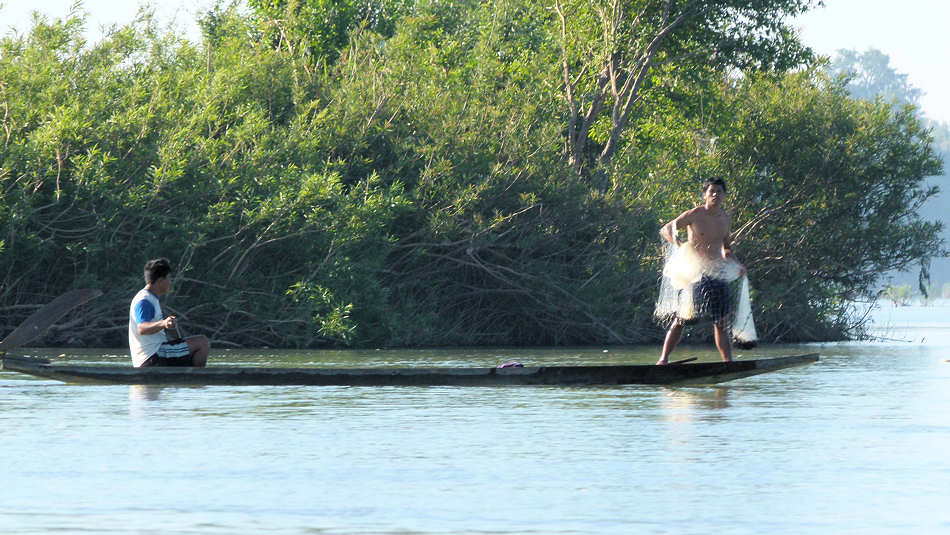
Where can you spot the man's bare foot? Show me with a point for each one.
(662, 362)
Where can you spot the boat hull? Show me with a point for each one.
(695, 373)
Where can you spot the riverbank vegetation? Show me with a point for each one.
(870, 76)
(902, 294)
(424, 173)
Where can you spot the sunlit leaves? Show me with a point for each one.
(408, 184)
(827, 190)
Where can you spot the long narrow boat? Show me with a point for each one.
(693, 373)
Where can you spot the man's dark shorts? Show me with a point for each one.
(164, 357)
(711, 301)
(155, 361)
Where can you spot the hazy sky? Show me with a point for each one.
(914, 33)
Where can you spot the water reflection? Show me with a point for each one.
(682, 404)
(140, 396)
(144, 392)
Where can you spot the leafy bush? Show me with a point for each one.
(417, 186)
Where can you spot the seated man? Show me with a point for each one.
(147, 341)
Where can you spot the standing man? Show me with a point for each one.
(707, 234)
(147, 340)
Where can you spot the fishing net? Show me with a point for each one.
(695, 289)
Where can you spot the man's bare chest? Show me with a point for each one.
(710, 228)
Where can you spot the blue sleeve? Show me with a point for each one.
(144, 311)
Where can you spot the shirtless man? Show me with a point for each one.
(707, 230)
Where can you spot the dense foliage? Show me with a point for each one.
(417, 183)
(869, 76)
(830, 191)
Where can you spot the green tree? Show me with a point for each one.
(613, 51)
(828, 190)
(142, 145)
(322, 28)
(502, 245)
(414, 190)
(898, 295)
(870, 76)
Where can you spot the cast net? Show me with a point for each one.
(696, 289)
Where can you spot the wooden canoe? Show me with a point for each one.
(693, 373)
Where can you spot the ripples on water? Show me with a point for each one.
(857, 443)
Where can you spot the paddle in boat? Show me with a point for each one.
(683, 372)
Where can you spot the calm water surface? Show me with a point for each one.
(857, 443)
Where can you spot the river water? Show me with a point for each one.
(856, 443)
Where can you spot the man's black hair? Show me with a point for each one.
(713, 182)
(156, 269)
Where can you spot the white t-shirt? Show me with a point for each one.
(144, 308)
